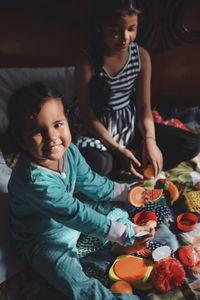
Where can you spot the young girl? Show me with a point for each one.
(55, 196)
(113, 87)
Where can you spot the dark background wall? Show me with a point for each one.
(51, 32)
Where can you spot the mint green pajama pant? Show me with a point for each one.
(55, 258)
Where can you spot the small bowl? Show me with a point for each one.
(143, 217)
(187, 222)
(161, 252)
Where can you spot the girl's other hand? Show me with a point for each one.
(151, 154)
(127, 161)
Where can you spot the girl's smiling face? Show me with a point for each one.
(47, 135)
(118, 34)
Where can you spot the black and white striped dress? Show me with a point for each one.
(118, 114)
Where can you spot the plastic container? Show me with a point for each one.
(143, 217)
(161, 252)
(187, 222)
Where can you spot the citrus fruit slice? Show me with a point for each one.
(149, 172)
(136, 196)
(122, 287)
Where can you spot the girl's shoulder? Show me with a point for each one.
(145, 59)
(143, 52)
(84, 63)
(139, 50)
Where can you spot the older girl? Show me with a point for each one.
(113, 85)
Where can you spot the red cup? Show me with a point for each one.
(142, 217)
(187, 221)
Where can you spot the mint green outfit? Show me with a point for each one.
(49, 211)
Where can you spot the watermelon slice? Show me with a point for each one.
(153, 195)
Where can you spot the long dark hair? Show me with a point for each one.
(24, 101)
(104, 11)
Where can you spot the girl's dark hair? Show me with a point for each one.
(25, 101)
(102, 12)
(105, 10)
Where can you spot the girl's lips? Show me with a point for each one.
(123, 45)
(53, 148)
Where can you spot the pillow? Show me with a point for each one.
(61, 78)
(5, 173)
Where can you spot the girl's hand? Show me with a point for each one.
(127, 161)
(151, 154)
(142, 241)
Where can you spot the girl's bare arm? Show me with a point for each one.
(151, 153)
(83, 76)
(84, 73)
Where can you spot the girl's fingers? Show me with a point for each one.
(134, 172)
(156, 169)
(134, 160)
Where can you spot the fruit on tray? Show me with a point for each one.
(170, 190)
(148, 172)
(122, 287)
(138, 196)
(153, 195)
(188, 256)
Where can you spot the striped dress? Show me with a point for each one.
(118, 112)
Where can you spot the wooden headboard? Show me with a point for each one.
(47, 33)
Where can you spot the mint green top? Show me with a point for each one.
(43, 201)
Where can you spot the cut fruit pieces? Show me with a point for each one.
(136, 196)
(122, 287)
(149, 172)
(153, 195)
(170, 190)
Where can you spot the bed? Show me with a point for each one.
(39, 41)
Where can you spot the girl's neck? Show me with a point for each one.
(114, 63)
(56, 166)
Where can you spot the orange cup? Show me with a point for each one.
(143, 217)
(186, 221)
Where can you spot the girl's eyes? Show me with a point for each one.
(38, 131)
(119, 32)
(57, 125)
(132, 29)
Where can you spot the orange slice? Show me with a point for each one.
(122, 287)
(148, 172)
(130, 268)
(136, 196)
